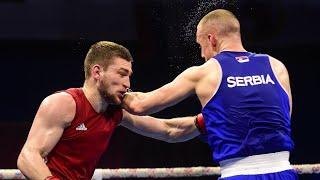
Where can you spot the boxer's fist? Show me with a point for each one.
(132, 102)
(200, 124)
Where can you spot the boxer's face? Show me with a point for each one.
(114, 80)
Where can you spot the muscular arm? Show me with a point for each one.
(282, 76)
(54, 114)
(169, 130)
(172, 93)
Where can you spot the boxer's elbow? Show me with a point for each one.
(26, 158)
(22, 160)
(174, 135)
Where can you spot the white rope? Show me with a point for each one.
(159, 172)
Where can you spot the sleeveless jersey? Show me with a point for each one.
(250, 112)
(83, 142)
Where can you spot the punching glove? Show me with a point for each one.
(199, 122)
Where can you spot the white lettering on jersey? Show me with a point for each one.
(239, 81)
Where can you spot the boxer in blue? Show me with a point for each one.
(246, 101)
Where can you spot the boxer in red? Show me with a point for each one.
(72, 128)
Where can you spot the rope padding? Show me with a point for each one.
(159, 172)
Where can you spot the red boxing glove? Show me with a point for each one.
(199, 122)
(51, 178)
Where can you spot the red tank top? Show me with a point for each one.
(76, 154)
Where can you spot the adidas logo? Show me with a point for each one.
(81, 127)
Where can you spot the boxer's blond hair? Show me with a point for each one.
(222, 21)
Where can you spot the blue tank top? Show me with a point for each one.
(250, 112)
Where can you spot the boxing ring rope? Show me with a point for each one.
(159, 172)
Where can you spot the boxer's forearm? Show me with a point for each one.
(181, 129)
